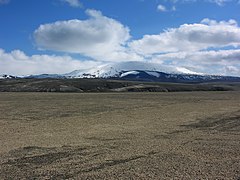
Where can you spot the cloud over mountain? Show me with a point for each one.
(18, 63)
(221, 62)
(98, 37)
(190, 37)
(198, 46)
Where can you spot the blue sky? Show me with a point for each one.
(58, 36)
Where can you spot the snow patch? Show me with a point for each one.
(152, 73)
(128, 73)
(186, 71)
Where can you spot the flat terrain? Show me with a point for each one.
(181, 135)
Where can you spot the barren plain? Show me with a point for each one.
(178, 135)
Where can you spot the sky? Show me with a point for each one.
(59, 36)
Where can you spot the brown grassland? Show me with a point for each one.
(181, 135)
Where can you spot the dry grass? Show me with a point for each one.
(120, 136)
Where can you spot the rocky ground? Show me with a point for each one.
(184, 135)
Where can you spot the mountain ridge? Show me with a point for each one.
(136, 71)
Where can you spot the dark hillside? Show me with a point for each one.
(106, 85)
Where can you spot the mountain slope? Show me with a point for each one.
(142, 71)
(5, 76)
(116, 70)
(178, 78)
(107, 85)
(138, 71)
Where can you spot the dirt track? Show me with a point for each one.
(191, 135)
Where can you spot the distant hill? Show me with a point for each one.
(136, 71)
(107, 85)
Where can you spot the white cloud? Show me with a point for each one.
(222, 62)
(161, 8)
(18, 63)
(73, 3)
(232, 56)
(218, 2)
(211, 22)
(174, 8)
(231, 70)
(106, 39)
(190, 37)
(98, 37)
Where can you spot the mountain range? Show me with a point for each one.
(136, 71)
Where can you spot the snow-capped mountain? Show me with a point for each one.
(117, 70)
(144, 71)
(140, 71)
(5, 76)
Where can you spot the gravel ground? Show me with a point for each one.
(185, 135)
